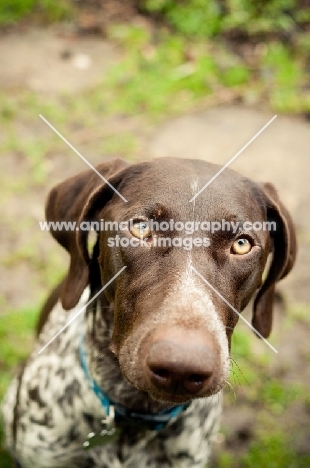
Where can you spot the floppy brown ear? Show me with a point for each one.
(66, 203)
(284, 250)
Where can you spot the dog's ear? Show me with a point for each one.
(284, 249)
(66, 203)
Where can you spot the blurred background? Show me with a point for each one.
(149, 78)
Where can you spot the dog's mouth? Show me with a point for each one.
(170, 398)
(176, 398)
(177, 395)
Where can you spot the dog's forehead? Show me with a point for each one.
(173, 183)
(182, 175)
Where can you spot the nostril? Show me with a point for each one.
(196, 379)
(196, 382)
(161, 377)
(160, 372)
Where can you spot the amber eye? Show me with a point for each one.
(241, 246)
(141, 229)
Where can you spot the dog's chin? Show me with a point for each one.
(163, 397)
(170, 398)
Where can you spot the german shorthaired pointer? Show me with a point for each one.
(135, 380)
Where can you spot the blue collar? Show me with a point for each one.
(123, 416)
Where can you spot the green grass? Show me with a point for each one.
(270, 450)
(273, 451)
(19, 323)
(171, 74)
(12, 11)
(211, 19)
(169, 70)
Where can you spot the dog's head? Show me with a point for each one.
(177, 302)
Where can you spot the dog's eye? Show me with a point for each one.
(241, 246)
(141, 229)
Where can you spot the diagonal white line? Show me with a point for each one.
(235, 310)
(81, 310)
(233, 158)
(82, 157)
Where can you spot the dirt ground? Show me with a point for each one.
(49, 63)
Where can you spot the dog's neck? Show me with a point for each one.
(103, 364)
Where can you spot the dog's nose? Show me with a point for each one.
(180, 362)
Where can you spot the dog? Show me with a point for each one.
(139, 331)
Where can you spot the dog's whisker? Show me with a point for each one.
(240, 372)
(236, 378)
(231, 388)
(243, 357)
